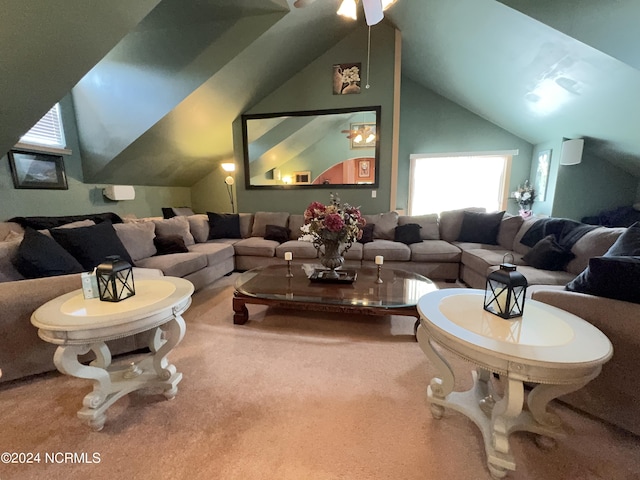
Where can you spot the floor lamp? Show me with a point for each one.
(229, 181)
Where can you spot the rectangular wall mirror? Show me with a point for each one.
(307, 149)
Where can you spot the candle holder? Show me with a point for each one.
(379, 280)
(289, 274)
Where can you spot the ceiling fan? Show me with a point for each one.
(364, 133)
(372, 8)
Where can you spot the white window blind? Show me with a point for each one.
(48, 131)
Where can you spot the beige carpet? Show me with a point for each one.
(290, 398)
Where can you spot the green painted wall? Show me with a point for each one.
(591, 186)
(81, 197)
(311, 89)
(430, 123)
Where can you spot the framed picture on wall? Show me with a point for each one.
(542, 174)
(346, 78)
(37, 170)
(301, 178)
(364, 168)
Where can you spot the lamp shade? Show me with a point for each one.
(115, 279)
(505, 292)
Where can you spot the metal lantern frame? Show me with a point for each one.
(505, 291)
(115, 279)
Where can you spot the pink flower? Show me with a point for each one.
(334, 222)
(315, 209)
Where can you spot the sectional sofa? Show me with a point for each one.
(464, 245)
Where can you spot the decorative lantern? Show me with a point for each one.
(505, 291)
(115, 279)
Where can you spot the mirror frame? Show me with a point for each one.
(305, 113)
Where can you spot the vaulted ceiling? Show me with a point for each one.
(156, 80)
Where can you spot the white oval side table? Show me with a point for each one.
(79, 325)
(553, 349)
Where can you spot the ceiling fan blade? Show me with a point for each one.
(373, 11)
(302, 3)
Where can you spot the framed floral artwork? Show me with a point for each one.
(346, 78)
(542, 174)
(37, 170)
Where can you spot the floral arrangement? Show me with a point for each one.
(333, 222)
(525, 195)
(351, 75)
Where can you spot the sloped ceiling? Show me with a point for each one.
(158, 108)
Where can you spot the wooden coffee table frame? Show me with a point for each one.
(241, 313)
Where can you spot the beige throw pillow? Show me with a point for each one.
(262, 219)
(137, 239)
(175, 226)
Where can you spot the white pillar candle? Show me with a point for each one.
(379, 259)
(288, 256)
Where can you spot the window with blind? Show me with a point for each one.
(47, 134)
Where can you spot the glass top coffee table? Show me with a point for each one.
(398, 294)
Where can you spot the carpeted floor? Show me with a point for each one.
(287, 397)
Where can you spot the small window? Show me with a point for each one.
(47, 134)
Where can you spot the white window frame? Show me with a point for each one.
(503, 194)
(47, 135)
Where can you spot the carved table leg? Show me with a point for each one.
(241, 314)
(165, 338)
(441, 386)
(504, 418)
(95, 402)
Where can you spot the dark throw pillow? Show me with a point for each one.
(548, 255)
(170, 212)
(616, 277)
(224, 225)
(279, 234)
(168, 244)
(627, 244)
(367, 233)
(408, 234)
(91, 245)
(480, 227)
(41, 256)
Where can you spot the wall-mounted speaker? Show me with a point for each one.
(571, 153)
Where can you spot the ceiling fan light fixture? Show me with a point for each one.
(370, 138)
(387, 3)
(348, 9)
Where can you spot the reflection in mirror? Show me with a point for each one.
(312, 148)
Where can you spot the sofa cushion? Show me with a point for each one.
(390, 250)
(246, 224)
(262, 219)
(8, 253)
(355, 252)
(627, 244)
(433, 251)
(548, 255)
(480, 227)
(429, 225)
(298, 249)
(295, 222)
(176, 264)
(41, 256)
(451, 222)
(170, 212)
(199, 227)
(616, 277)
(482, 259)
(175, 226)
(384, 225)
(508, 229)
(224, 225)
(215, 252)
(137, 238)
(538, 276)
(166, 245)
(408, 234)
(593, 244)
(367, 233)
(518, 246)
(256, 247)
(91, 245)
(277, 233)
(39, 223)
